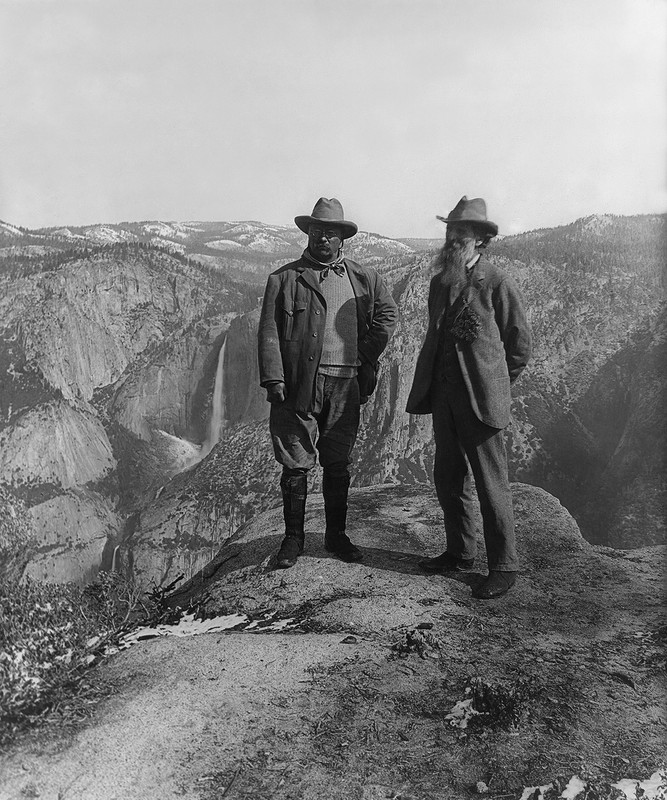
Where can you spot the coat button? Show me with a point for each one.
(317, 312)
(311, 358)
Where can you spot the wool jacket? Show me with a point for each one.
(492, 361)
(291, 328)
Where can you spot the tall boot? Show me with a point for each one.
(335, 490)
(295, 489)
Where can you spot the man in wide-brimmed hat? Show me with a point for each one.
(325, 321)
(477, 344)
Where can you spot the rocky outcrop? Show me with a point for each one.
(201, 508)
(71, 530)
(58, 458)
(56, 445)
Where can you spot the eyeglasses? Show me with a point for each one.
(329, 233)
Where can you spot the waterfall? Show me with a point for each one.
(217, 419)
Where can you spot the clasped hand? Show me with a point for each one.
(275, 392)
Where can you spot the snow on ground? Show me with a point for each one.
(189, 626)
(654, 788)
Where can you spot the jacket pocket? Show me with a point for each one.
(288, 322)
(295, 321)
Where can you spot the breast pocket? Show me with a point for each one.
(295, 316)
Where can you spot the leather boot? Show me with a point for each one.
(294, 489)
(496, 585)
(335, 490)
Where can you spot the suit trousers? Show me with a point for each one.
(330, 429)
(462, 444)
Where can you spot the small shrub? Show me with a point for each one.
(501, 704)
(49, 635)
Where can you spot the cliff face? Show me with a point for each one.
(197, 511)
(99, 349)
(245, 401)
(625, 411)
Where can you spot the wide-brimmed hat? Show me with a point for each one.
(327, 212)
(473, 211)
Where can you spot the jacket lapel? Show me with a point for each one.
(479, 275)
(307, 275)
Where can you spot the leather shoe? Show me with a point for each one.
(446, 562)
(290, 550)
(340, 545)
(496, 585)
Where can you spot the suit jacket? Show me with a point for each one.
(492, 361)
(291, 328)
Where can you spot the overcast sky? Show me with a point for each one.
(115, 110)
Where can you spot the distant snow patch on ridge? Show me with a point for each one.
(170, 230)
(223, 244)
(168, 245)
(596, 222)
(375, 240)
(103, 234)
(12, 230)
(26, 250)
(66, 233)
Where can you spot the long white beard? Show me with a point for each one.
(452, 261)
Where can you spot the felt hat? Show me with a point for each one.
(473, 211)
(327, 212)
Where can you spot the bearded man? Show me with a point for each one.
(325, 321)
(477, 344)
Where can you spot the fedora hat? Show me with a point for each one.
(327, 212)
(473, 211)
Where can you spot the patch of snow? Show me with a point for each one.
(7, 228)
(375, 240)
(574, 787)
(223, 244)
(654, 788)
(26, 250)
(529, 791)
(157, 228)
(462, 713)
(189, 626)
(66, 233)
(165, 244)
(104, 234)
(596, 222)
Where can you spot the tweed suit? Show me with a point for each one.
(466, 387)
